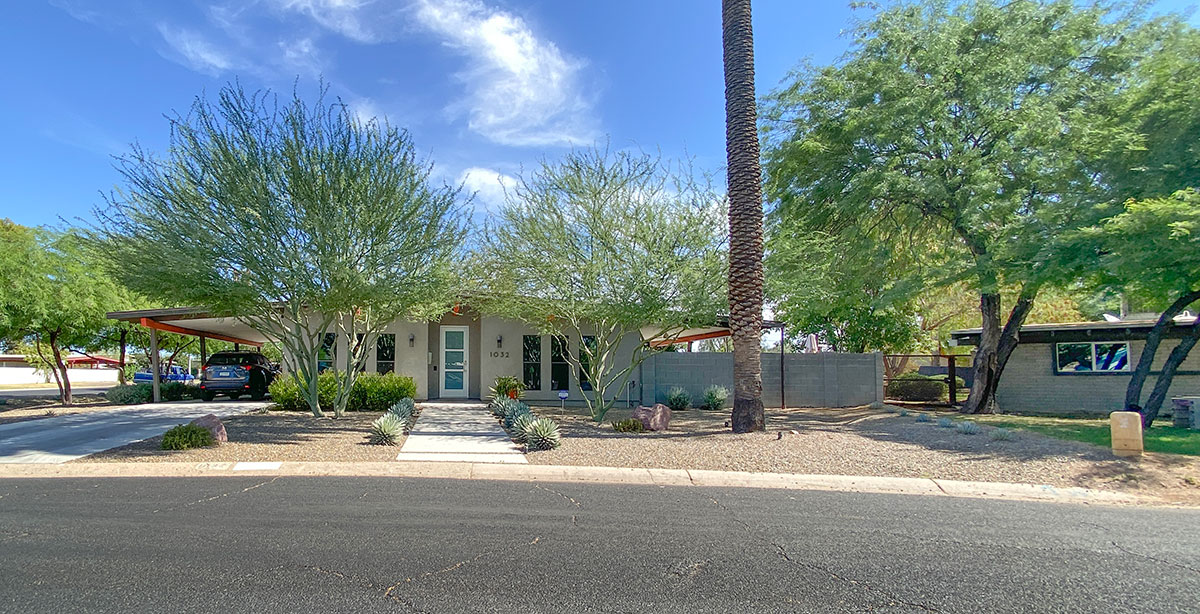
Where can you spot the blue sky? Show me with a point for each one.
(486, 87)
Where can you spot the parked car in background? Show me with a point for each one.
(174, 374)
(235, 373)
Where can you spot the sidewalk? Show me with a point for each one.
(459, 433)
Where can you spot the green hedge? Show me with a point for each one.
(129, 394)
(913, 386)
(371, 392)
(186, 436)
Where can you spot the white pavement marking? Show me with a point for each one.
(64, 438)
(459, 432)
(257, 466)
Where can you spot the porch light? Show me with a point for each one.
(499, 340)
(412, 338)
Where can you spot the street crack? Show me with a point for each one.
(783, 554)
(220, 496)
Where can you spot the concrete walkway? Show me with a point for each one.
(64, 438)
(459, 433)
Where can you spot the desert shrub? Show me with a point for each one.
(1001, 435)
(386, 430)
(502, 405)
(520, 423)
(129, 394)
(506, 384)
(924, 418)
(632, 425)
(178, 391)
(903, 412)
(968, 428)
(513, 412)
(186, 436)
(542, 434)
(945, 423)
(917, 387)
(371, 392)
(374, 392)
(714, 398)
(678, 399)
(891, 409)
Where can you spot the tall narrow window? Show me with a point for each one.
(531, 361)
(560, 369)
(328, 352)
(586, 350)
(385, 353)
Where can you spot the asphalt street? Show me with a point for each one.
(296, 544)
(31, 393)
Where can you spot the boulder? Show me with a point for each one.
(214, 426)
(656, 418)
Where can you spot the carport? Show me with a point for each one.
(188, 321)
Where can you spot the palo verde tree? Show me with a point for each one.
(608, 253)
(298, 219)
(970, 124)
(54, 297)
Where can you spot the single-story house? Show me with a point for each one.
(459, 356)
(1085, 367)
(15, 369)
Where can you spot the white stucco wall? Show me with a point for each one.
(27, 375)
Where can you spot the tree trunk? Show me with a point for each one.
(1010, 337)
(984, 368)
(60, 370)
(1133, 393)
(121, 357)
(1159, 394)
(745, 216)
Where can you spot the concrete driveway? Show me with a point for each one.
(64, 438)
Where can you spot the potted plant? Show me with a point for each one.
(507, 386)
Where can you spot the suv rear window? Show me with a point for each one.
(233, 359)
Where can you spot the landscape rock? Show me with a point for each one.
(657, 418)
(214, 426)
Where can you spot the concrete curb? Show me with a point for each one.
(601, 475)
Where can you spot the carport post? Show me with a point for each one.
(155, 375)
(203, 352)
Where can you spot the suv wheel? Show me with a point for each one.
(207, 395)
(235, 395)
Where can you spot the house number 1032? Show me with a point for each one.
(499, 354)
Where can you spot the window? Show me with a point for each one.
(560, 371)
(586, 349)
(531, 361)
(1087, 357)
(327, 354)
(385, 353)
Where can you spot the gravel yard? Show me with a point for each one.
(865, 442)
(273, 436)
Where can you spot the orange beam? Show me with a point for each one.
(171, 328)
(698, 337)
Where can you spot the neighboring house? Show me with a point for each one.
(1085, 367)
(459, 356)
(15, 369)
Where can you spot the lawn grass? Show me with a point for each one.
(1162, 437)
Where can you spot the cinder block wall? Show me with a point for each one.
(810, 380)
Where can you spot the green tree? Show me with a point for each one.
(1152, 248)
(55, 297)
(968, 125)
(745, 216)
(296, 219)
(608, 253)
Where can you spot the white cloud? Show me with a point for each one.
(364, 110)
(355, 19)
(521, 90)
(195, 51)
(487, 185)
(300, 55)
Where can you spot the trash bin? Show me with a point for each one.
(1183, 409)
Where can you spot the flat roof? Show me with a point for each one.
(1069, 331)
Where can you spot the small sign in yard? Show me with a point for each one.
(562, 399)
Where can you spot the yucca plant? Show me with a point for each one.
(386, 430)
(542, 434)
(507, 387)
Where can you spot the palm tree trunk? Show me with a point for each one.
(745, 216)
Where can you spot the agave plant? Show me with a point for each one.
(968, 428)
(386, 430)
(502, 405)
(405, 410)
(520, 409)
(542, 434)
(945, 423)
(1002, 435)
(520, 423)
(924, 418)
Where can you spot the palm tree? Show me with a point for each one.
(745, 216)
